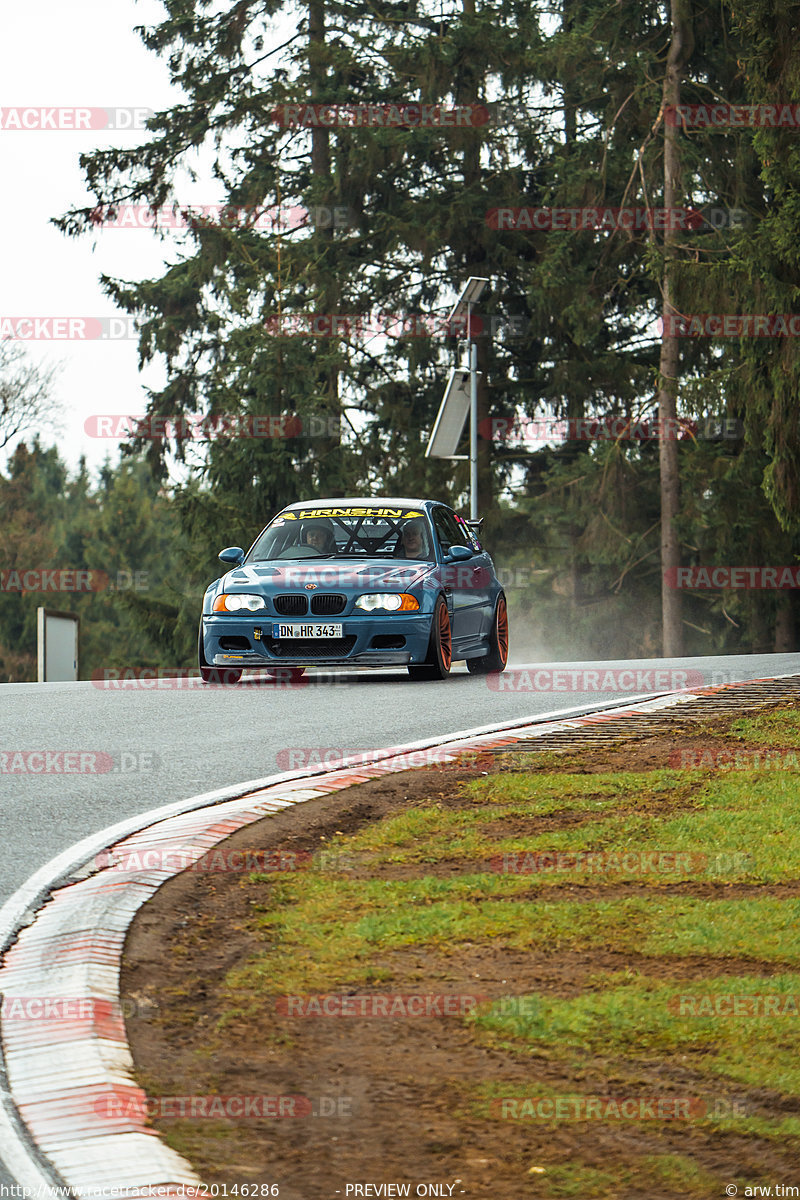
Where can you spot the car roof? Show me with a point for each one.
(358, 501)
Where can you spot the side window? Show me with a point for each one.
(469, 534)
(448, 530)
(442, 531)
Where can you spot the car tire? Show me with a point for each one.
(209, 674)
(495, 661)
(440, 648)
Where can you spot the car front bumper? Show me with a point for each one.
(394, 640)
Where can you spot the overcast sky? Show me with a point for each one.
(57, 59)
(57, 56)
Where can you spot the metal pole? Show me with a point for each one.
(473, 431)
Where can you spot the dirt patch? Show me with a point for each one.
(404, 1100)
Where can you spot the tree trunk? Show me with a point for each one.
(680, 49)
(785, 640)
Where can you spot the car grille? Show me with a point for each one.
(328, 604)
(312, 647)
(291, 606)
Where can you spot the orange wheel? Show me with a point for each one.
(501, 631)
(445, 638)
(497, 656)
(440, 648)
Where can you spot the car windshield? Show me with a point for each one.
(379, 532)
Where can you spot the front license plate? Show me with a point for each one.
(306, 631)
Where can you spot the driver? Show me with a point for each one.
(319, 535)
(415, 539)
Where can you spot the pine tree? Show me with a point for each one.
(765, 271)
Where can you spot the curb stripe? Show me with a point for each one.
(60, 1069)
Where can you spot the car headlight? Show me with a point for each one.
(237, 601)
(389, 601)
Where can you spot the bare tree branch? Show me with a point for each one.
(26, 403)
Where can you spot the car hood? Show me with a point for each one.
(328, 575)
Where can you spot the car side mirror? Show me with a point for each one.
(233, 554)
(460, 553)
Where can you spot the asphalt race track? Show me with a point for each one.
(77, 757)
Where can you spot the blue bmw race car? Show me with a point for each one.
(356, 583)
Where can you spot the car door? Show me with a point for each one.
(467, 580)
